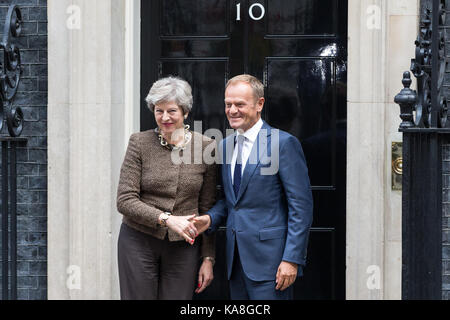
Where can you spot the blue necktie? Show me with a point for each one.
(238, 166)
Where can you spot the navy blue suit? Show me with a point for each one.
(270, 218)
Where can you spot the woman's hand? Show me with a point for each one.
(183, 226)
(205, 276)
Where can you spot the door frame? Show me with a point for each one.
(133, 69)
(132, 66)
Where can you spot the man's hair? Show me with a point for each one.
(257, 86)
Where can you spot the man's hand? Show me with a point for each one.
(286, 275)
(202, 223)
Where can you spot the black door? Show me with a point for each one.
(298, 48)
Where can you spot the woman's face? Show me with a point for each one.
(169, 117)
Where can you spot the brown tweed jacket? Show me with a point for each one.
(151, 183)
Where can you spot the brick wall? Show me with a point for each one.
(446, 181)
(32, 158)
(446, 222)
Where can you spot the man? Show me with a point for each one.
(268, 212)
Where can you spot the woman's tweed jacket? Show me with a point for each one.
(151, 183)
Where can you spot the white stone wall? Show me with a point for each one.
(89, 125)
(381, 45)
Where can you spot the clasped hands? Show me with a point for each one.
(189, 227)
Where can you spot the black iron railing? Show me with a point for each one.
(427, 108)
(10, 74)
(425, 127)
(11, 71)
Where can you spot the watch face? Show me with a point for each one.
(164, 218)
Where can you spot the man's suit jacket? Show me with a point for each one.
(271, 216)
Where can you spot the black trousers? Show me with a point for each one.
(154, 269)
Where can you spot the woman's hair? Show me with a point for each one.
(257, 86)
(170, 89)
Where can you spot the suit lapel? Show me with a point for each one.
(259, 149)
(228, 148)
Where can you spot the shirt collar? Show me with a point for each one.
(252, 133)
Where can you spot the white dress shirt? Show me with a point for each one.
(250, 138)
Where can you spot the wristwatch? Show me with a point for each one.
(213, 261)
(163, 217)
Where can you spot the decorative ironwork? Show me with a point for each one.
(8, 241)
(425, 129)
(429, 110)
(407, 100)
(10, 72)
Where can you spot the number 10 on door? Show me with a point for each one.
(251, 12)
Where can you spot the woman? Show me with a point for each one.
(158, 197)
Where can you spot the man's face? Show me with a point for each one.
(240, 106)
